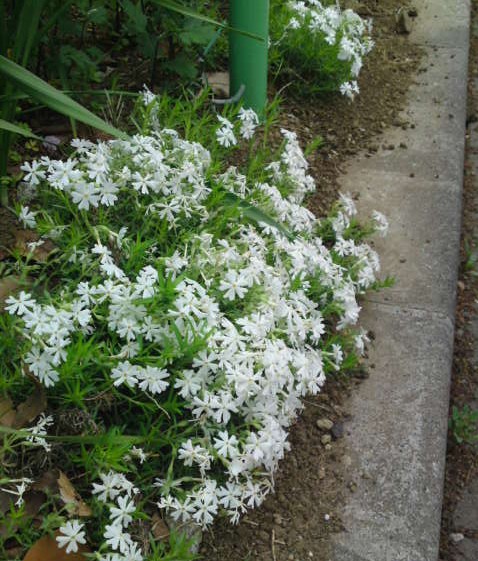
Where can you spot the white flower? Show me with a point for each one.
(125, 373)
(85, 195)
(225, 134)
(73, 535)
(19, 305)
(27, 217)
(116, 538)
(121, 514)
(234, 285)
(33, 172)
(152, 379)
(250, 120)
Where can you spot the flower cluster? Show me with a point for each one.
(226, 323)
(343, 30)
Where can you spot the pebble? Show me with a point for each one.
(457, 538)
(325, 424)
(347, 461)
(337, 430)
(321, 473)
(277, 519)
(326, 439)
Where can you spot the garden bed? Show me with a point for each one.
(295, 521)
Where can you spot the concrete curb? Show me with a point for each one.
(397, 434)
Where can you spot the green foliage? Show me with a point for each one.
(306, 51)
(464, 424)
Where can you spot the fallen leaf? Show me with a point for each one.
(159, 528)
(7, 412)
(46, 549)
(40, 250)
(71, 498)
(30, 408)
(8, 286)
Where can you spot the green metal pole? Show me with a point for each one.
(247, 55)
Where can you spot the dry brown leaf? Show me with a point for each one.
(71, 498)
(30, 408)
(8, 286)
(46, 549)
(159, 528)
(40, 252)
(7, 412)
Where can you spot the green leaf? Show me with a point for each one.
(11, 127)
(41, 91)
(195, 32)
(137, 18)
(183, 66)
(255, 214)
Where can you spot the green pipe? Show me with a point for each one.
(248, 56)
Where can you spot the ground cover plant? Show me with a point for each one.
(186, 307)
(317, 47)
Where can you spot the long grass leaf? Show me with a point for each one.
(41, 91)
(255, 214)
(189, 12)
(26, 31)
(11, 127)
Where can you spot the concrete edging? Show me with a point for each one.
(397, 434)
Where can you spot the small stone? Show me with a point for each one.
(321, 473)
(328, 447)
(347, 461)
(326, 439)
(291, 557)
(277, 519)
(326, 517)
(457, 538)
(325, 424)
(337, 430)
(403, 22)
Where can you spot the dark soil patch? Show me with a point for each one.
(462, 459)
(296, 521)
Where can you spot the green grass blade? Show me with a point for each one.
(255, 214)
(27, 29)
(41, 91)
(11, 127)
(189, 12)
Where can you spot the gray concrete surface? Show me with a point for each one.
(397, 433)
